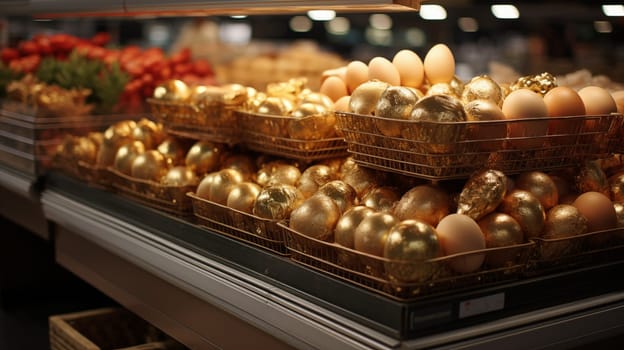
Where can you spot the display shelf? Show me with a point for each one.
(307, 309)
(19, 201)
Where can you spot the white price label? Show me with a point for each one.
(481, 305)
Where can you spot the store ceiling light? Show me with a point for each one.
(300, 24)
(380, 21)
(505, 11)
(238, 16)
(468, 24)
(415, 37)
(338, 26)
(322, 15)
(378, 37)
(432, 12)
(603, 26)
(613, 10)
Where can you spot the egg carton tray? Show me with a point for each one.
(216, 122)
(239, 225)
(555, 254)
(445, 150)
(171, 199)
(428, 277)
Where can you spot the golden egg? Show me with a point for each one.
(203, 189)
(311, 122)
(482, 193)
(236, 94)
(285, 174)
(428, 203)
(242, 196)
(314, 177)
(364, 98)
(179, 176)
(106, 153)
(345, 227)
(371, 234)
(590, 178)
(619, 212)
(203, 157)
(97, 138)
(244, 163)
(119, 132)
(441, 89)
(316, 217)
(382, 199)
(85, 150)
(275, 106)
(457, 85)
(360, 178)
(501, 230)
(149, 133)
(172, 90)
(541, 186)
(340, 192)
(564, 220)
(437, 108)
(527, 210)
(616, 187)
(396, 102)
(276, 202)
(318, 99)
(408, 245)
(482, 88)
(222, 183)
(255, 101)
(173, 150)
(125, 156)
(150, 165)
(491, 133)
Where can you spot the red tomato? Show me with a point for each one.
(28, 48)
(97, 53)
(134, 68)
(181, 56)
(182, 69)
(101, 39)
(165, 73)
(43, 42)
(63, 43)
(9, 54)
(202, 68)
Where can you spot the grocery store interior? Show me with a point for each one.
(69, 247)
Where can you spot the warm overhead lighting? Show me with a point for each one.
(238, 16)
(506, 11)
(322, 15)
(380, 21)
(338, 26)
(238, 33)
(613, 10)
(378, 36)
(603, 26)
(300, 24)
(415, 37)
(432, 12)
(468, 24)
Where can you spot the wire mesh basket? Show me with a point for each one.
(242, 226)
(269, 134)
(444, 150)
(406, 280)
(171, 199)
(553, 254)
(215, 122)
(91, 174)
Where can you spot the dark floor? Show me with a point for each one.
(33, 287)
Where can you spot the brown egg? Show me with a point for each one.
(381, 199)
(356, 75)
(527, 210)
(242, 196)
(316, 217)
(276, 202)
(314, 177)
(203, 157)
(597, 100)
(346, 225)
(360, 178)
(173, 150)
(179, 176)
(311, 122)
(334, 87)
(616, 187)
(482, 88)
(371, 234)
(459, 233)
(563, 101)
(410, 68)
(340, 192)
(380, 68)
(244, 163)
(172, 90)
(482, 193)
(491, 135)
(396, 102)
(618, 97)
(203, 189)
(150, 165)
(501, 230)
(591, 177)
(598, 209)
(148, 132)
(541, 186)
(428, 203)
(364, 98)
(222, 183)
(525, 104)
(125, 156)
(439, 64)
(409, 245)
(342, 105)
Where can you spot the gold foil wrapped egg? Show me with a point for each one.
(381, 199)
(482, 88)
(457, 85)
(277, 202)
(203, 157)
(125, 156)
(151, 134)
(564, 220)
(371, 234)
(340, 192)
(346, 225)
(222, 182)
(482, 193)
(360, 178)
(119, 133)
(541, 186)
(428, 203)
(173, 150)
(236, 94)
(591, 177)
(85, 150)
(441, 108)
(619, 212)
(437, 138)
(275, 106)
(278, 172)
(316, 217)
(97, 138)
(616, 187)
(255, 101)
(311, 122)
(396, 102)
(203, 189)
(150, 165)
(314, 177)
(106, 154)
(409, 244)
(527, 210)
(172, 90)
(242, 196)
(179, 176)
(492, 133)
(364, 98)
(441, 89)
(540, 83)
(318, 99)
(244, 163)
(501, 230)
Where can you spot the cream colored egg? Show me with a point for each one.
(334, 87)
(356, 74)
(597, 100)
(342, 104)
(618, 97)
(382, 69)
(525, 104)
(439, 64)
(410, 67)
